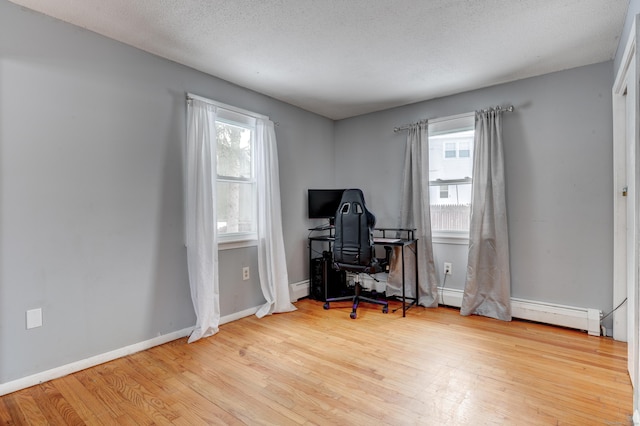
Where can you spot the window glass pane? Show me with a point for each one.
(452, 171)
(235, 207)
(449, 150)
(456, 168)
(236, 199)
(464, 151)
(450, 217)
(234, 151)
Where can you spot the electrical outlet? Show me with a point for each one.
(447, 268)
(245, 273)
(34, 318)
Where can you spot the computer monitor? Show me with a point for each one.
(323, 203)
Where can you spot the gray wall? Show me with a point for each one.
(91, 137)
(91, 204)
(558, 153)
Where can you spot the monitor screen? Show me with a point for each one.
(323, 203)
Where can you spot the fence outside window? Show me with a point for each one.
(450, 217)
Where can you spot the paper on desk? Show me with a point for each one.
(394, 281)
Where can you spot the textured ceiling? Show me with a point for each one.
(341, 58)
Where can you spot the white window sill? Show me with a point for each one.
(459, 238)
(236, 244)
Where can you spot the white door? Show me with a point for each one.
(630, 225)
(626, 321)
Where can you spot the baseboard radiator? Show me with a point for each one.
(299, 290)
(549, 313)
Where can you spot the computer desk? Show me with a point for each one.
(382, 238)
(407, 239)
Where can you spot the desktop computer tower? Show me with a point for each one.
(323, 276)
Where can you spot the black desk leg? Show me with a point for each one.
(417, 294)
(404, 300)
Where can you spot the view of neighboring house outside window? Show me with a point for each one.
(450, 173)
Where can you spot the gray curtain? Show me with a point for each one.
(415, 213)
(487, 289)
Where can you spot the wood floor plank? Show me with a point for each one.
(86, 405)
(25, 410)
(134, 388)
(5, 413)
(54, 407)
(109, 400)
(197, 405)
(316, 366)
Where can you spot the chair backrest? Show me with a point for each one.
(354, 225)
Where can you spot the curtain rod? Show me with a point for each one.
(498, 108)
(191, 96)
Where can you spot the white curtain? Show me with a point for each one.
(272, 265)
(415, 213)
(200, 211)
(488, 286)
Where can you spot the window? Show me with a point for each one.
(444, 191)
(457, 149)
(236, 202)
(450, 150)
(450, 172)
(464, 149)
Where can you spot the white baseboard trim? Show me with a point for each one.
(299, 290)
(73, 367)
(64, 370)
(565, 316)
(238, 315)
(549, 313)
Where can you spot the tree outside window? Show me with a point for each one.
(235, 181)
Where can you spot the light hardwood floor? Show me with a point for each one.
(313, 366)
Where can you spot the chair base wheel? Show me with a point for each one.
(352, 315)
(326, 305)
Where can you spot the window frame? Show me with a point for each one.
(449, 125)
(450, 153)
(466, 149)
(240, 238)
(234, 116)
(444, 189)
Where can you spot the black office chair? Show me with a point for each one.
(353, 248)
